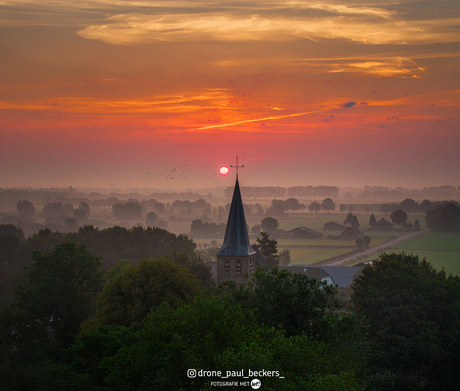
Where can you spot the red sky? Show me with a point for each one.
(346, 93)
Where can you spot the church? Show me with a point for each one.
(237, 257)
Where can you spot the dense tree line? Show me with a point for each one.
(155, 320)
(111, 244)
(200, 228)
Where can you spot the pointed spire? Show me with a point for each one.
(236, 240)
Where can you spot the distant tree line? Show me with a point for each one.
(200, 228)
(308, 192)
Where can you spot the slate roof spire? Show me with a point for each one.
(236, 240)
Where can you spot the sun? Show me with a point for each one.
(223, 170)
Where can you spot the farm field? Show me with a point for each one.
(309, 251)
(442, 249)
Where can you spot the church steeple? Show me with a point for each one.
(236, 258)
(236, 240)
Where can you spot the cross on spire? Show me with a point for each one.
(237, 166)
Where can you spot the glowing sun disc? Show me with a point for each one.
(223, 170)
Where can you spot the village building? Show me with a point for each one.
(351, 233)
(383, 225)
(334, 226)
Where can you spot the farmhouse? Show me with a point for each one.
(334, 226)
(351, 233)
(383, 225)
(303, 233)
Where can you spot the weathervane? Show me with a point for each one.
(237, 166)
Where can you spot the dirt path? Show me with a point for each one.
(375, 249)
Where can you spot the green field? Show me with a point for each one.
(307, 256)
(442, 249)
(308, 251)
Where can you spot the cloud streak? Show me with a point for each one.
(134, 28)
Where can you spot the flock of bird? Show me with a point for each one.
(173, 173)
(181, 172)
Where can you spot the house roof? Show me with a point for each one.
(383, 221)
(340, 275)
(352, 230)
(307, 230)
(310, 271)
(334, 223)
(236, 239)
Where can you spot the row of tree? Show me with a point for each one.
(309, 192)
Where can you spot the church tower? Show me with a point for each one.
(236, 257)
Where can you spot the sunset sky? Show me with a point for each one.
(115, 93)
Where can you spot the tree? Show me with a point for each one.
(366, 241)
(151, 219)
(417, 225)
(285, 257)
(399, 217)
(60, 288)
(360, 243)
(259, 210)
(351, 220)
(52, 209)
(268, 248)
(25, 209)
(412, 314)
(213, 332)
(80, 215)
(269, 224)
(328, 205)
(342, 207)
(291, 301)
(84, 206)
(292, 204)
(444, 218)
(276, 209)
(129, 296)
(409, 205)
(314, 207)
(256, 229)
(372, 221)
(71, 224)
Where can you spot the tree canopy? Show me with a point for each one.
(268, 248)
(60, 288)
(269, 224)
(444, 218)
(351, 220)
(327, 205)
(132, 294)
(413, 315)
(399, 217)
